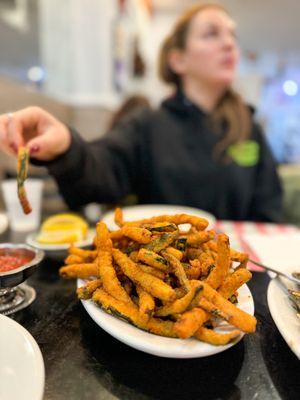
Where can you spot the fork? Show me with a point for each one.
(294, 295)
(294, 277)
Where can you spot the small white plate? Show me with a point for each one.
(284, 315)
(280, 251)
(151, 210)
(59, 250)
(3, 222)
(22, 372)
(159, 345)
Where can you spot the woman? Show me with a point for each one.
(201, 148)
(131, 105)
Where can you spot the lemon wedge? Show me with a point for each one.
(59, 237)
(63, 228)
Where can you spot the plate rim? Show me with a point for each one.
(285, 333)
(165, 207)
(36, 351)
(95, 312)
(57, 247)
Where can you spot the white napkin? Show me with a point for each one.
(278, 250)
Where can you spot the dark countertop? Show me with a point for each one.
(84, 362)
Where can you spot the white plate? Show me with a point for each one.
(59, 250)
(284, 315)
(3, 222)
(31, 240)
(159, 345)
(151, 210)
(280, 251)
(22, 372)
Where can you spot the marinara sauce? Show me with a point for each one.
(12, 259)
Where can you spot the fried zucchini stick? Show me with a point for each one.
(215, 338)
(198, 238)
(140, 235)
(193, 270)
(85, 254)
(107, 273)
(217, 275)
(242, 258)
(130, 313)
(236, 317)
(179, 305)
(103, 238)
(146, 303)
(86, 291)
(207, 264)
(119, 217)
(150, 283)
(73, 259)
(82, 271)
(233, 281)
(153, 259)
(152, 271)
(212, 309)
(176, 253)
(22, 170)
(189, 322)
(178, 219)
(178, 270)
(161, 242)
(160, 227)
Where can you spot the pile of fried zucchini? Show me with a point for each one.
(164, 280)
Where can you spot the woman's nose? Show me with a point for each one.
(229, 41)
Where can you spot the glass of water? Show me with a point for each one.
(17, 219)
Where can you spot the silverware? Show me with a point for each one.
(294, 277)
(294, 295)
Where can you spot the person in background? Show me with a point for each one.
(131, 105)
(200, 148)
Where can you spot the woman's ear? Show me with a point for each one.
(177, 61)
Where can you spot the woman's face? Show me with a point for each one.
(211, 53)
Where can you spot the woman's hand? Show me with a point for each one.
(35, 128)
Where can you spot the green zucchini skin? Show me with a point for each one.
(162, 242)
(22, 170)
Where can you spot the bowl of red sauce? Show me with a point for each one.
(17, 263)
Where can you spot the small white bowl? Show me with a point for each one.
(59, 251)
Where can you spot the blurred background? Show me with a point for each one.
(80, 59)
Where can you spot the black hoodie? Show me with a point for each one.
(165, 157)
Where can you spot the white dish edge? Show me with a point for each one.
(282, 319)
(39, 361)
(30, 239)
(182, 349)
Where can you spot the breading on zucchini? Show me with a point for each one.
(163, 279)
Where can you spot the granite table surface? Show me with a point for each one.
(84, 362)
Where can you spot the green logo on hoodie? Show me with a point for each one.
(245, 154)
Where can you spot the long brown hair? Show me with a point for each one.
(230, 111)
(131, 105)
